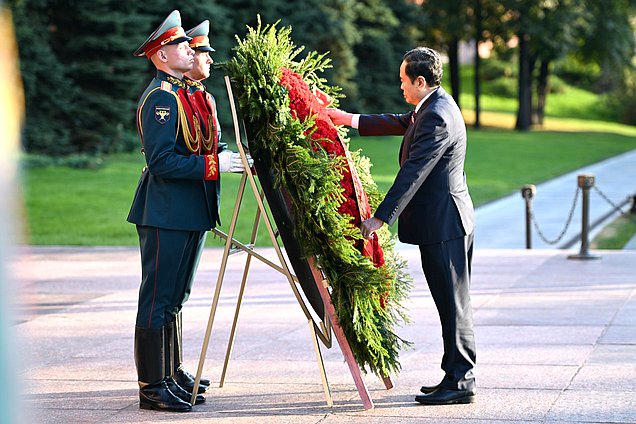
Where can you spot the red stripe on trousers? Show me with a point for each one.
(154, 294)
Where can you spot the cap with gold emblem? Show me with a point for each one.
(199, 34)
(169, 32)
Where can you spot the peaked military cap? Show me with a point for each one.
(200, 40)
(169, 32)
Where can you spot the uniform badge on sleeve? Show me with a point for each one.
(162, 114)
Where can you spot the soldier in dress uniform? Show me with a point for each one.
(175, 203)
(204, 108)
(203, 101)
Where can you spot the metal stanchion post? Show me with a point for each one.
(585, 182)
(527, 192)
(633, 209)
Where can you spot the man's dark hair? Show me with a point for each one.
(425, 62)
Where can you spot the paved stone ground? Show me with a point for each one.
(556, 342)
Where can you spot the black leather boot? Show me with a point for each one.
(181, 376)
(154, 392)
(169, 351)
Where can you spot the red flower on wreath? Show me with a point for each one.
(303, 103)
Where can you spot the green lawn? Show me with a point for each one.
(82, 206)
(617, 234)
(89, 207)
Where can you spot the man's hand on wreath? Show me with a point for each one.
(369, 226)
(339, 117)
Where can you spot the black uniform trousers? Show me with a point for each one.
(169, 259)
(447, 268)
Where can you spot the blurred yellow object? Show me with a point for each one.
(11, 94)
(12, 112)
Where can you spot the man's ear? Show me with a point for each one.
(421, 81)
(162, 56)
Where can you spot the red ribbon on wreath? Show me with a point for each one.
(303, 103)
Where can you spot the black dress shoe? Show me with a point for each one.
(182, 393)
(159, 397)
(186, 380)
(428, 389)
(443, 396)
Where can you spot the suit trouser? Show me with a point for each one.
(168, 263)
(447, 268)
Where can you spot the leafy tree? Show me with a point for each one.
(384, 42)
(377, 58)
(450, 21)
(488, 25)
(622, 100)
(81, 81)
(529, 20)
(49, 90)
(609, 40)
(553, 42)
(324, 26)
(548, 29)
(329, 28)
(94, 40)
(524, 21)
(611, 45)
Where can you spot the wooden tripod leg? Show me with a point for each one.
(342, 340)
(321, 365)
(219, 283)
(239, 301)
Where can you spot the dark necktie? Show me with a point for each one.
(406, 143)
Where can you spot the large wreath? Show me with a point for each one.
(331, 189)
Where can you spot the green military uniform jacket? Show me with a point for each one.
(177, 189)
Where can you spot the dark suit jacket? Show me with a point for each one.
(429, 193)
(171, 193)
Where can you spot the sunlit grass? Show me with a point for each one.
(616, 234)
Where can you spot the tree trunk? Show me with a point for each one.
(453, 64)
(478, 31)
(542, 91)
(524, 111)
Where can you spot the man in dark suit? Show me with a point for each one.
(176, 202)
(431, 198)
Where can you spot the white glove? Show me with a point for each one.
(250, 161)
(231, 161)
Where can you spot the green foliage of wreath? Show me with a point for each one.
(313, 180)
